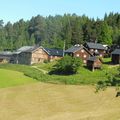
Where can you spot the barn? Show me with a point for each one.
(116, 56)
(79, 51)
(35, 54)
(94, 63)
(96, 49)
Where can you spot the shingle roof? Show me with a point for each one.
(26, 49)
(74, 49)
(95, 45)
(54, 52)
(92, 58)
(32, 49)
(5, 55)
(116, 52)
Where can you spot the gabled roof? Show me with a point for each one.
(73, 49)
(26, 49)
(5, 53)
(32, 49)
(116, 52)
(76, 48)
(95, 46)
(54, 52)
(93, 58)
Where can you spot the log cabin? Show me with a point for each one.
(79, 51)
(35, 54)
(54, 54)
(94, 63)
(116, 56)
(96, 49)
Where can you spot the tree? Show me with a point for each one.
(67, 65)
(113, 80)
(106, 34)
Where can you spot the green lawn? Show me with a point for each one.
(84, 76)
(12, 78)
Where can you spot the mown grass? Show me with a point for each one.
(84, 76)
(12, 78)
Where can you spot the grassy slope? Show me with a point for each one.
(58, 102)
(84, 76)
(12, 78)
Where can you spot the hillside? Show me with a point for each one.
(42, 101)
(84, 76)
(12, 78)
(53, 31)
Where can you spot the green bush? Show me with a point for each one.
(67, 65)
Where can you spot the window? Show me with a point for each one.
(96, 50)
(91, 50)
(77, 55)
(84, 61)
(82, 50)
(85, 56)
(100, 55)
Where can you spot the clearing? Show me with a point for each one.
(42, 101)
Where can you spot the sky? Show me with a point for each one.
(14, 10)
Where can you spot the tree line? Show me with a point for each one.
(54, 31)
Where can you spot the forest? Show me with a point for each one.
(54, 31)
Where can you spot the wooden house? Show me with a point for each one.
(79, 51)
(94, 63)
(116, 56)
(54, 54)
(96, 49)
(35, 54)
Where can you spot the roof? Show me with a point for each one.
(93, 58)
(116, 52)
(54, 52)
(26, 49)
(32, 49)
(5, 57)
(73, 49)
(95, 46)
(5, 53)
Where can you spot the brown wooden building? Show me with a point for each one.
(116, 56)
(79, 51)
(35, 54)
(96, 49)
(54, 54)
(94, 63)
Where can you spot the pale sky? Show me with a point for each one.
(14, 10)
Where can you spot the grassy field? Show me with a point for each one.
(84, 76)
(42, 101)
(12, 78)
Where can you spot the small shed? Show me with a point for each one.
(94, 63)
(116, 56)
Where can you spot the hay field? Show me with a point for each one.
(40, 101)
